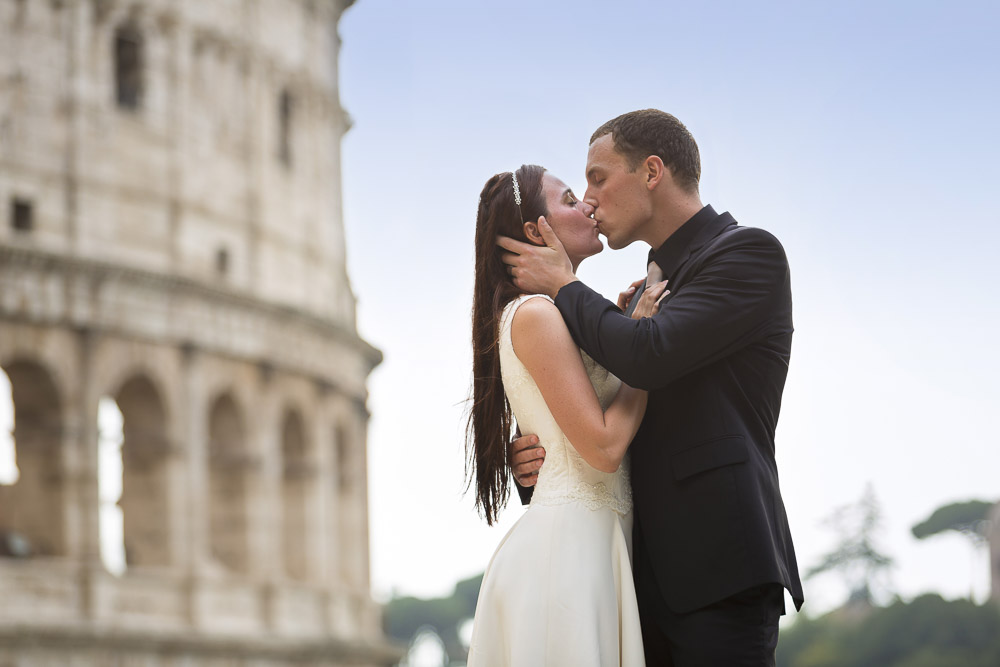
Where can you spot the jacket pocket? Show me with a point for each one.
(723, 451)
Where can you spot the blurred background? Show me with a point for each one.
(199, 236)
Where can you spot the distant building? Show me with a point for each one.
(171, 237)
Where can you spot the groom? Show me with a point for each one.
(712, 549)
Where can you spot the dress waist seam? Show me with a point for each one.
(619, 506)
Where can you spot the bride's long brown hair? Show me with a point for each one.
(490, 421)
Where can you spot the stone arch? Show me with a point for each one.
(225, 379)
(229, 469)
(32, 517)
(123, 364)
(297, 482)
(145, 472)
(57, 354)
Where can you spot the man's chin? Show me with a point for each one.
(597, 251)
(618, 242)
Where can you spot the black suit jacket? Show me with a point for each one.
(714, 360)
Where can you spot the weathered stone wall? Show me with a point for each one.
(197, 167)
(171, 237)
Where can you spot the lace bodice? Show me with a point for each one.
(565, 476)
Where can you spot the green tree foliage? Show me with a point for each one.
(856, 556)
(405, 615)
(927, 632)
(968, 518)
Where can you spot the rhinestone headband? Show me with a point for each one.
(517, 194)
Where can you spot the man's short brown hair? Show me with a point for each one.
(639, 134)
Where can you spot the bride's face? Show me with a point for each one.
(570, 219)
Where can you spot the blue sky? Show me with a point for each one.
(862, 134)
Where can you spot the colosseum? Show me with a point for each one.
(183, 468)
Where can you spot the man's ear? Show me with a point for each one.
(534, 236)
(655, 171)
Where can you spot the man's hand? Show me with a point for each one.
(538, 269)
(526, 457)
(625, 298)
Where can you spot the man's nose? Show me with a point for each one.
(587, 208)
(590, 201)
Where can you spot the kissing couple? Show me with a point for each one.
(655, 532)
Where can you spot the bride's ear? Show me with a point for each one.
(534, 236)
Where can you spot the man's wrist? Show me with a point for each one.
(571, 279)
(569, 292)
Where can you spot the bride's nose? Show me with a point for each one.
(587, 209)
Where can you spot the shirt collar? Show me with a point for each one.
(702, 226)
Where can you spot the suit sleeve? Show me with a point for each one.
(733, 297)
(524, 492)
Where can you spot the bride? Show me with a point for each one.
(558, 590)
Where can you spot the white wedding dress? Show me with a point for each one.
(558, 590)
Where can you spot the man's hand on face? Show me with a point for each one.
(538, 269)
(526, 457)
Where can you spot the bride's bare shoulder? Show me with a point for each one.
(538, 322)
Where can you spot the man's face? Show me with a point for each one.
(620, 197)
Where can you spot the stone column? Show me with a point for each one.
(339, 616)
(323, 487)
(360, 451)
(324, 499)
(351, 602)
(369, 612)
(191, 539)
(176, 483)
(264, 509)
(83, 503)
(316, 440)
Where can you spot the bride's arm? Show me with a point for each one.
(543, 344)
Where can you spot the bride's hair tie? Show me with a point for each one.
(517, 194)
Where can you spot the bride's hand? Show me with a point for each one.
(649, 302)
(625, 298)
